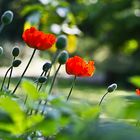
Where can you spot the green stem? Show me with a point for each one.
(42, 84)
(24, 71)
(53, 80)
(43, 110)
(9, 80)
(73, 83)
(37, 80)
(1, 27)
(5, 78)
(103, 98)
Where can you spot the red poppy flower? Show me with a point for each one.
(37, 39)
(138, 92)
(78, 67)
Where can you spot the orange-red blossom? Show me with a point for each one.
(37, 39)
(138, 92)
(78, 67)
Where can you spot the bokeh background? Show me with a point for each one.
(106, 31)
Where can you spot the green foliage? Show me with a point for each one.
(64, 120)
(135, 80)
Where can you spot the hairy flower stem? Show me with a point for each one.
(5, 78)
(53, 80)
(24, 71)
(73, 83)
(9, 80)
(103, 98)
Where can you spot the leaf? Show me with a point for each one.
(30, 89)
(135, 80)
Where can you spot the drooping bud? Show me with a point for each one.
(112, 87)
(42, 79)
(16, 63)
(62, 58)
(1, 50)
(46, 66)
(15, 52)
(61, 42)
(7, 17)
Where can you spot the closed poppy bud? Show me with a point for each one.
(7, 17)
(16, 63)
(46, 66)
(15, 52)
(61, 42)
(112, 87)
(1, 50)
(42, 79)
(63, 57)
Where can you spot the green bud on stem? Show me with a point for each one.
(15, 52)
(46, 66)
(16, 63)
(62, 58)
(7, 17)
(112, 87)
(42, 79)
(61, 42)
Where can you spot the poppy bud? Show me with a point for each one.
(61, 42)
(15, 52)
(63, 57)
(1, 50)
(46, 66)
(42, 79)
(16, 63)
(112, 87)
(7, 17)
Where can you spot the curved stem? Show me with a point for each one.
(10, 75)
(103, 98)
(5, 78)
(24, 71)
(73, 83)
(53, 80)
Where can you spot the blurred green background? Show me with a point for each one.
(106, 31)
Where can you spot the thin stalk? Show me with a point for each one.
(103, 98)
(53, 80)
(53, 61)
(1, 27)
(39, 77)
(42, 84)
(43, 110)
(5, 78)
(24, 71)
(9, 80)
(73, 83)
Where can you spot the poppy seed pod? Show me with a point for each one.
(63, 57)
(1, 50)
(46, 66)
(7, 17)
(61, 42)
(16, 63)
(15, 52)
(112, 87)
(42, 79)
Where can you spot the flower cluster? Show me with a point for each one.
(37, 39)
